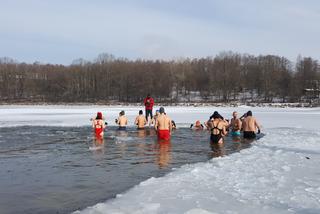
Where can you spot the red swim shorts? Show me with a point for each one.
(163, 134)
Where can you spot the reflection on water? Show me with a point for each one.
(163, 153)
(61, 169)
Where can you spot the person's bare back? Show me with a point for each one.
(140, 121)
(122, 121)
(163, 122)
(250, 124)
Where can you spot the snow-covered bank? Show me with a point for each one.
(57, 115)
(279, 174)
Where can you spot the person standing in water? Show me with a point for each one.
(235, 125)
(148, 103)
(197, 125)
(98, 125)
(218, 128)
(250, 125)
(140, 120)
(163, 125)
(152, 121)
(122, 121)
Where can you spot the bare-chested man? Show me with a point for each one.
(122, 121)
(140, 120)
(197, 125)
(235, 125)
(250, 125)
(163, 125)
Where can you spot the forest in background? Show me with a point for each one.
(227, 77)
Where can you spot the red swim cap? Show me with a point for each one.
(99, 115)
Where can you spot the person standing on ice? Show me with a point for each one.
(163, 125)
(98, 125)
(148, 103)
(250, 125)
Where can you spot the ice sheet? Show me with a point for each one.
(278, 174)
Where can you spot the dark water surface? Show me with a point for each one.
(60, 170)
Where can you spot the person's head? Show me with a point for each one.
(235, 114)
(249, 113)
(157, 112)
(198, 123)
(121, 113)
(216, 115)
(161, 110)
(99, 116)
(140, 112)
(148, 95)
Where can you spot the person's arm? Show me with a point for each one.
(136, 121)
(224, 131)
(93, 124)
(243, 116)
(156, 125)
(145, 121)
(239, 124)
(126, 121)
(170, 125)
(103, 124)
(257, 125)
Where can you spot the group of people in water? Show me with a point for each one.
(163, 125)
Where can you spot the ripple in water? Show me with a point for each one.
(62, 169)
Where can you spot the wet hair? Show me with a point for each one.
(121, 112)
(140, 112)
(161, 110)
(249, 113)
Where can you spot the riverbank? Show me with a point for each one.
(177, 104)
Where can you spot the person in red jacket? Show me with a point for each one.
(148, 103)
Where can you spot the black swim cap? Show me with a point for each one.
(216, 115)
(161, 110)
(140, 112)
(249, 113)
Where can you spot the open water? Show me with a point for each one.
(61, 169)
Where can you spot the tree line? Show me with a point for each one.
(226, 77)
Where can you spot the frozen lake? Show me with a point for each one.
(44, 157)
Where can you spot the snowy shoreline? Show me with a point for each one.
(177, 104)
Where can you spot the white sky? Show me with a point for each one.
(57, 31)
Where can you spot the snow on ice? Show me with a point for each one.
(278, 174)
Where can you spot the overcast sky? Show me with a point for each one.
(58, 31)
